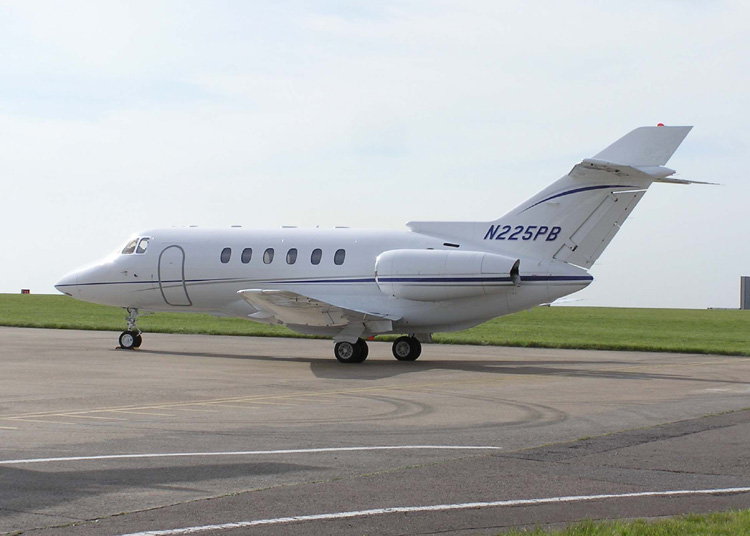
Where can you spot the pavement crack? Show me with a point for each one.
(44, 514)
(629, 438)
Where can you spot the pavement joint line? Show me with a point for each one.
(436, 508)
(321, 450)
(45, 514)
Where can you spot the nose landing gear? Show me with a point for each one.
(131, 339)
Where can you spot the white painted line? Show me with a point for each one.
(434, 508)
(240, 453)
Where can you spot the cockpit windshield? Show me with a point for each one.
(130, 248)
(137, 246)
(142, 245)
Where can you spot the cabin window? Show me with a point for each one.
(226, 254)
(291, 256)
(317, 254)
(130, 248)
(268, 256)
(247, 254)
(338, 258)
(142, 245)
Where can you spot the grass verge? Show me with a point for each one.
(724, 332)
(715, 524)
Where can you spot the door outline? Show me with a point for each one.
(182, 278)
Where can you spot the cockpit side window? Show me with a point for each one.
(142, 245)
(130, 248)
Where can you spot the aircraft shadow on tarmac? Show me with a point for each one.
(37, 489)
(376, 369)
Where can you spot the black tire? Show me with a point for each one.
(128, 340)
(407, 349)
(138, 340)
(364, 349)
(417, 348)
(347, 352)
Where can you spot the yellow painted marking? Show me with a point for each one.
(289, 399)
(234, 406)
(319, 401)
(143, 413)
(87, 417)
(8, 428)
(46, 422)
(261, 399)
(195, 409)
(282, 404)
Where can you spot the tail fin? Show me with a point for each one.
(575, 218)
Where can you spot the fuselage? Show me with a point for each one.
(202, 270)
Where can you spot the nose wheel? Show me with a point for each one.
(131, 338)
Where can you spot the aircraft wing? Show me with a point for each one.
(293, 308)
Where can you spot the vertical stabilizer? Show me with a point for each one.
(574, 219)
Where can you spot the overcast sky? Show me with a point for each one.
(121, 116)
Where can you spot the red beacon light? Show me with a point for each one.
(660, 124)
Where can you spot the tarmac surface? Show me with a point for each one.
(233, 435)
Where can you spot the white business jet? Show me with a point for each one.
(354, 284)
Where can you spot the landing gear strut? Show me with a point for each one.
(407, 348)
(131, 338)
(347, 352)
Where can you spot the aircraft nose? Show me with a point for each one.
(67, 283)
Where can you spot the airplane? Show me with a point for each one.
(352, 285)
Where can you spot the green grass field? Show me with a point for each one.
(716, 524)
(662, 330)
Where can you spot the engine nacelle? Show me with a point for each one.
(434, 275)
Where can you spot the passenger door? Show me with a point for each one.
(172, 277)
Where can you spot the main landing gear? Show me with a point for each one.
(347, 352)
(407, 348)
(131, 339)
(404, 349)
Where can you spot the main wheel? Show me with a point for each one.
(407, 348)
(363, 348)
(347, 352)
(130, 339)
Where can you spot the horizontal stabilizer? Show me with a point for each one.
(673, 180)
